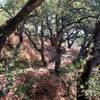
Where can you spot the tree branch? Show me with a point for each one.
(1, 7)
(10, 26)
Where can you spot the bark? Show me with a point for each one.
(42, 53)
(42, 46)
(11, 25)
(57, 44)
(57, 60)
(43, 59)
(92, 61)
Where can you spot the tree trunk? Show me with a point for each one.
(43, 59)
(69, 44)
(57, 60)
(11, 25)
(92, 61)
(42, 46)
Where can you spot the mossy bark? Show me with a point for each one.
(92, 60)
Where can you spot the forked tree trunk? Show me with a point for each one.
(92, 61)
(11, 25)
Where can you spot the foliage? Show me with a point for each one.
(61, 22)
(94, 84)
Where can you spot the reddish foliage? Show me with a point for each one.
(47, 88)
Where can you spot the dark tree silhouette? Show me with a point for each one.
(92, 60)
(11, 25)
